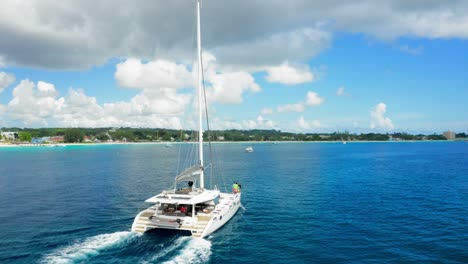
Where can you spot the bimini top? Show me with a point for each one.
(195, 197)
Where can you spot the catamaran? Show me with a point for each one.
(189, 206)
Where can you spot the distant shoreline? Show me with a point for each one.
(9, 145)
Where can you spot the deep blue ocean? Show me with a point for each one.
(304, 203)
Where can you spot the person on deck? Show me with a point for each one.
(235, 188)
(183, 209)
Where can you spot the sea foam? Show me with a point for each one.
(185, 250)
(80, 251)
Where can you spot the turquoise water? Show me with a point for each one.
(305, 203)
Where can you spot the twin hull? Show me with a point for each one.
(200, 225)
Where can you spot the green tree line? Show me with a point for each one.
(160, 134)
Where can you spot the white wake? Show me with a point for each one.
(88, 248)
(190, 250)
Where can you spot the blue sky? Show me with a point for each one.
(347, 67)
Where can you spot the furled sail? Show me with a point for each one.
(190, 174)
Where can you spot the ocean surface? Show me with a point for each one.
(304, 203)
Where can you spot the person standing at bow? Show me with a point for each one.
(235, 187)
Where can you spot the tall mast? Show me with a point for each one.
(200, 94)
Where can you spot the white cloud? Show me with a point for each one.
(378, 120)
(340, 91)
(158, 74)
(164, 103)
(160, 103)
(228, 88)
(299, 107)
(77, 110)
(289, 74)
(313, 99)
(40, 105)
(262, 51)
(267, 111)
(410, 50)
(77, 34)
(258, 123)
(436, 24)
(308, 125)
(5, 80)
(46, 89)
(31, 105)
(388, 20)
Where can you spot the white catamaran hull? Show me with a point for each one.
(201, 225)
(190, 206)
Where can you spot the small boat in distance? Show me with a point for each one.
(343, 141)
(249, 149)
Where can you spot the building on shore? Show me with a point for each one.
(449, 135)
(10, 136)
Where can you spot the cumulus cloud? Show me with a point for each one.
(46, 89)
(260, 53)
(166, 102)
(132, 73)
(308, 125)
(299, 107)
(229, 87)
(378, 120)
(258, 123)
(160, 102)
(31, 105)
(289, 74)
(80, 34)
(267, 111)
(40, 105)
(313, 99)
(223, 86)
(6, 79)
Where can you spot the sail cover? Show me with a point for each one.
(190, 174)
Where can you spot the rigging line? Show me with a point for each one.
(180, 158)
(222, 175)
(216, 173)
(190, 156)
(217, 161)
(179, 161)
(209, 133)
(194, 34)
